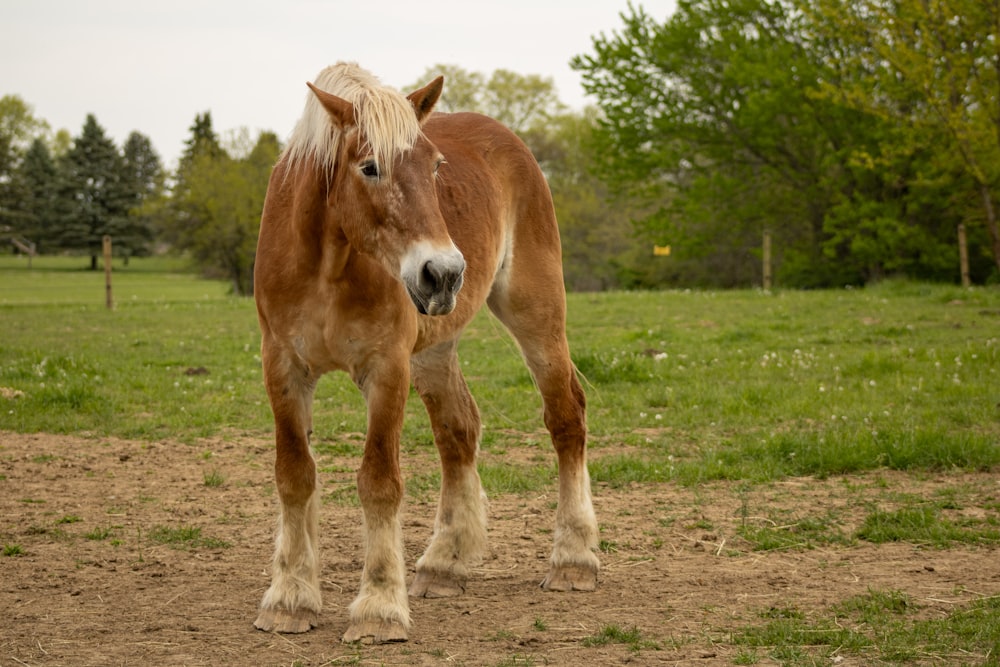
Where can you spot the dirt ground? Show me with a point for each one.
(88, 583)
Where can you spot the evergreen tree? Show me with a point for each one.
(142, 176)
(203, 141)
(18, 126)
(93, 199)
(35, 182)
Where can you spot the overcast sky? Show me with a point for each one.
(152, 66)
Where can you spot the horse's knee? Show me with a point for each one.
(379, 490)
(566, 418)
(295, 477)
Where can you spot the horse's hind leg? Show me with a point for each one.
(460, 526)
(292, 602)
(533, 308)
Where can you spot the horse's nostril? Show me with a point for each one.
(430, 276)
(436, 276)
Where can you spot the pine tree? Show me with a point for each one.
(203, 141)
(142, 178)
(93, 200)
(35, 184)
(18, 126)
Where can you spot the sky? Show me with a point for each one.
(151, 67)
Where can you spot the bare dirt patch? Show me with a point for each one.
(90, 578)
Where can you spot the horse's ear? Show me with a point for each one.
(423, 100)
(339, 109)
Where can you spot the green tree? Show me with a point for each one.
(715, 121)
(599, 245)
(463, 90)
(932, 68)
(35, 183)
(203, 140)
(18, 128)
(518, 101)
(93, 198)
(142, 177)
(216, 215)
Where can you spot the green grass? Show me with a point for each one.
(880, 627)
(702, 385)
(184, 537)
(615, 634)
(11, 550)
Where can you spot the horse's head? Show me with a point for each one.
(384, 195)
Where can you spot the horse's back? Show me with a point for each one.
(494, 196)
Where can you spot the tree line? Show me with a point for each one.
(63, 194)
(861, 133)
(858, 133)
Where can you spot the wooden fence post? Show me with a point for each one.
(767, 259)
(963, 255)
(108, 301)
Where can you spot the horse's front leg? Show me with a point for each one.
(459, 537)
(380, 613)
(293, 601)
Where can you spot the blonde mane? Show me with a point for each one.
(384, 117)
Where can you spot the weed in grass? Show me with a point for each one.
(540, 624)
(608, 547)
(507, 478)
(924, 524)
(423, 487)
(803, 533)
(615, 634)
(501, 635)
(878, 623)
(213, 479)
(746, 657)
(69, 518)
(345, 495)
(184, 537)
(11, 550)
(346, 449)
(873, 606)
(98, 534)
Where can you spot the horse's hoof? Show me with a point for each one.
(375, 632)
(282, 620)
(430, 584)
(570, 578)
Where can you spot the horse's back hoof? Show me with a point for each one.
(375, 632)
(430, 584)
(570, 578)
(282, 620)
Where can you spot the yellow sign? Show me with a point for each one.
(661, 250)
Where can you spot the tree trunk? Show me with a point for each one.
(991, 222)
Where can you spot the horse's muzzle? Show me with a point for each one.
(434, 280)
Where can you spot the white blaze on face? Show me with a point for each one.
(432, 275)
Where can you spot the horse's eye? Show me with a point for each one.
(438, 164)
(370, 169)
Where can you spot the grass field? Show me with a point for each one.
(684, 387)
(732, 385)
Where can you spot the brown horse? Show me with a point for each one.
(385, 229)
